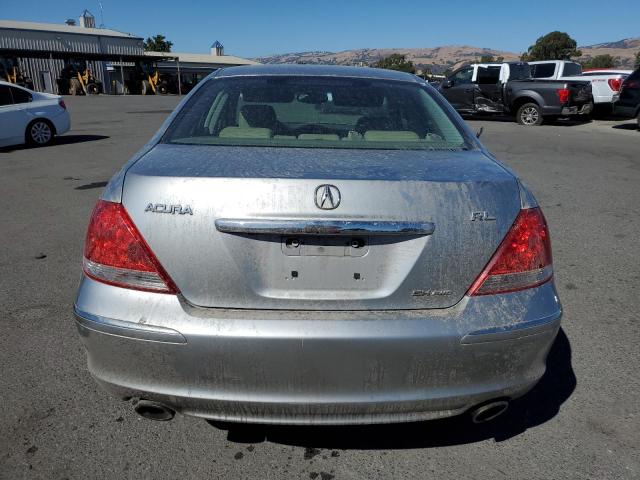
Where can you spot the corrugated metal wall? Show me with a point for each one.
(43, 45)
(36, 68)
(12, 39)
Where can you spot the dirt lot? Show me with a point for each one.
(581, 422)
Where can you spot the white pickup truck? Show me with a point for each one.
(605, 87)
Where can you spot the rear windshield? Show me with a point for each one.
(316, 112)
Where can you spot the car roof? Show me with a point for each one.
(552, 61)
(317, 70)
(607, 70)
(9, 84)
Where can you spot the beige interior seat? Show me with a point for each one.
(433, 137)
(245, 132)
(391, 136)
(319, 136)
(353, 136)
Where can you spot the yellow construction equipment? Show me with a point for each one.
(10, 72)
(76, 78)
(150, 80)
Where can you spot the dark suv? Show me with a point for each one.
(629, 104)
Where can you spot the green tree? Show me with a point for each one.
(491, 59)
(552, 46)
(600, 61)
(638, 59)
(396, 62)
(157, 43)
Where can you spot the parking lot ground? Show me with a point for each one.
(581, 422)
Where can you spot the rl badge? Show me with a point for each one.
(171, 209)
(481, 217)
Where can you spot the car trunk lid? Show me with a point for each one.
(241, 227)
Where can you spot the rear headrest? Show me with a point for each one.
(257, 116)
(391, 136)
(318, 136)
(245, 132)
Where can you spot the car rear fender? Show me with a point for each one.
(526, 96)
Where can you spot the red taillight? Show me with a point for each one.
(614, 83)
(523, 259)
(563, 95)
(62, 104)
(115, 252)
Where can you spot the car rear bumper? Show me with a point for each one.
(585, 109)
(604, 99)
(62, 122)
(316, 367)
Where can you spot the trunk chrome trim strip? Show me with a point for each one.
(322, 227)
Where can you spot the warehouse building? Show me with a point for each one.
(77, 57)
(193, 67)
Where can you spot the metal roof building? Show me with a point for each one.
(200, 60)
(41, 51)
(29, 38)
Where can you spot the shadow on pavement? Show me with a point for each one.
(560, 122)
(627, 126)
(69, 139)
(61, 140)
(164, 110)
(91, 186)
(538, 406)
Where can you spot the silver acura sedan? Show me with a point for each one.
(316, 245)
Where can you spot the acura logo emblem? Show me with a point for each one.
(327, 197)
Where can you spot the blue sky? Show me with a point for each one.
(253, 28)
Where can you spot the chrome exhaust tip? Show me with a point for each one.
(489, 411)
(154, 411)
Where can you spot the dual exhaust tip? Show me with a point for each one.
(481, 414)
(154, 411)
(485, 412)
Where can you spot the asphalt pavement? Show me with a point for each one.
(581, 422)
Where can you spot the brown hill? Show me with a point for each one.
(435, 59)
(439, 59)
(623, 50)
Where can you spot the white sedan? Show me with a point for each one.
(30, 117)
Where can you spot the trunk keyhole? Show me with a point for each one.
(292, 243)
